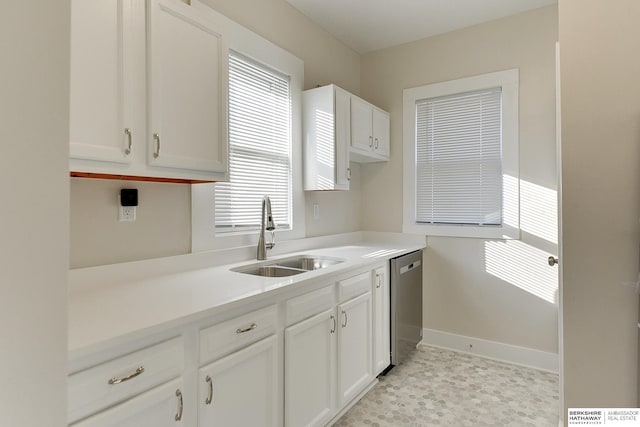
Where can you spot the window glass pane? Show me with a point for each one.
(259, 147)
(459, 159)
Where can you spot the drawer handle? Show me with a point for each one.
(116, 380)
(209, 398)
(344, 313)
(370, 142)
(376, 143)
(333, 330)
(243, 330)
(180, 405)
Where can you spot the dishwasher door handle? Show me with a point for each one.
(410, 267)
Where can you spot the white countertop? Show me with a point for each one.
(100, 312)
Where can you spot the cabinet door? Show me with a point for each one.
(310, 370)
(343, 138)
(160, 407)
(354, 347)
(381, 132)
(102, 49)
(187, 96)
(361, 124)
(242, 389)
(381, 317)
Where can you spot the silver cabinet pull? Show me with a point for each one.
(156, 139)
(209, 398)
(116, 380)
(378, 281)
(180, 405)
(348, 174)
(333, 330)
(552, 261)
(376, 143)
(243, 330)
(127, 150)
(344, 313)
(370, 141)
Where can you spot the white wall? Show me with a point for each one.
(494, 290)
(164, 229)
(600, 78)
(34, 83)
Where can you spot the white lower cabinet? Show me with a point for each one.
(251, 369)
(310, 370)
(162, 406)
(329, 355)
(381, 320)
(354, 347)
(242, 389)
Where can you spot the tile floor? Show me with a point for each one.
(436, 387)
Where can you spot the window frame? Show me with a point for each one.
(508, 80)
(258, 49)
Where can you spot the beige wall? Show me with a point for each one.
(163, 226)
(600, 77)
(475, 287)
(34, 41)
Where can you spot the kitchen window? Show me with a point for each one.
(461, 157)
(259, 148)
(265, 147)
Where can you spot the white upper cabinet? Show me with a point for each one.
(370, 127)
(147, 91)
(381, 132)
(102, 121)
(326, 136)
(187, 77)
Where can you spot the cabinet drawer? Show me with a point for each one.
(108, 383)
(241, 331)
(309, 304)
(354, 286)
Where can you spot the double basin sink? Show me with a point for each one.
(288, 266)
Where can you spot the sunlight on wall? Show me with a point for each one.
(539, 211)
(523, 266)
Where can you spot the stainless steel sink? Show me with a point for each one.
(288, 266)
(309, 263)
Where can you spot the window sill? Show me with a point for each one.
(504, 232)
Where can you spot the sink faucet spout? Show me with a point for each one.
(266, 223)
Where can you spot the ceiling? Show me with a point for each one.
(368, 25)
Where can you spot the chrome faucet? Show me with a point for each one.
(269, 225)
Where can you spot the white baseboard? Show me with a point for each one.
(522, 356)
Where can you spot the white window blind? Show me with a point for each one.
(259, 147)
(459, 159)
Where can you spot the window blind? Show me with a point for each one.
(459, 159)
(259, 147)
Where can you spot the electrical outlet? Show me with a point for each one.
(316, 211)
(127, 213)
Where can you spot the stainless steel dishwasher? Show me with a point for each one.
(406, 305)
